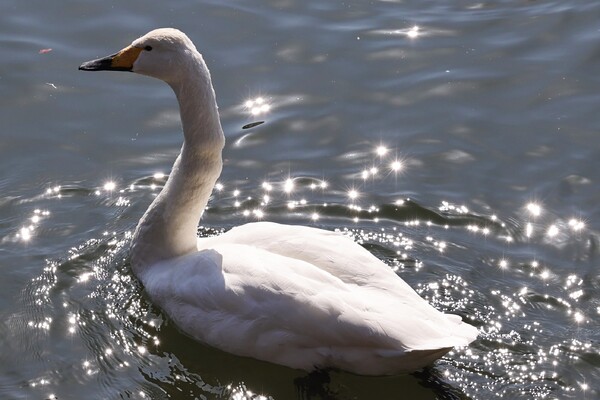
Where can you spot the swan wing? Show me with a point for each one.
(330, 251)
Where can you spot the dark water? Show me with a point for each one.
(458, 141)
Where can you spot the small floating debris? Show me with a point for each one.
(252, 124)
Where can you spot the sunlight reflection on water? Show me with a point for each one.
(494, 109)
(100, 303)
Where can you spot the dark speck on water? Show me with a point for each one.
(252, 124)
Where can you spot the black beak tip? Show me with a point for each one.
(95, 65)
(101, 64)
(83, 67)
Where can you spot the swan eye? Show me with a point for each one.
(148, 48)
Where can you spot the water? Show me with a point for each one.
(457, 141)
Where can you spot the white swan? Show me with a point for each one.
(297, 296)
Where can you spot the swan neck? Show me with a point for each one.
(168, 229)
(197, 106)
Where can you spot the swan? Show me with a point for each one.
(297, 296)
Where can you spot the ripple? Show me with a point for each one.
(88, 300)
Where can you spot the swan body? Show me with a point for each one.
(297, 296)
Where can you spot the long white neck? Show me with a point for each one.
(168, 228)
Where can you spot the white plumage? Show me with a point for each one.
(293, 295)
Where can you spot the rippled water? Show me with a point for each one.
(457, 141)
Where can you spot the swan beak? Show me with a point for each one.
(121, 61)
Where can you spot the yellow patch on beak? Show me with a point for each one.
(125, 58)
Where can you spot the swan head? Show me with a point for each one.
(162, 53)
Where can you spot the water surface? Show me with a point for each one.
(456, 141)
